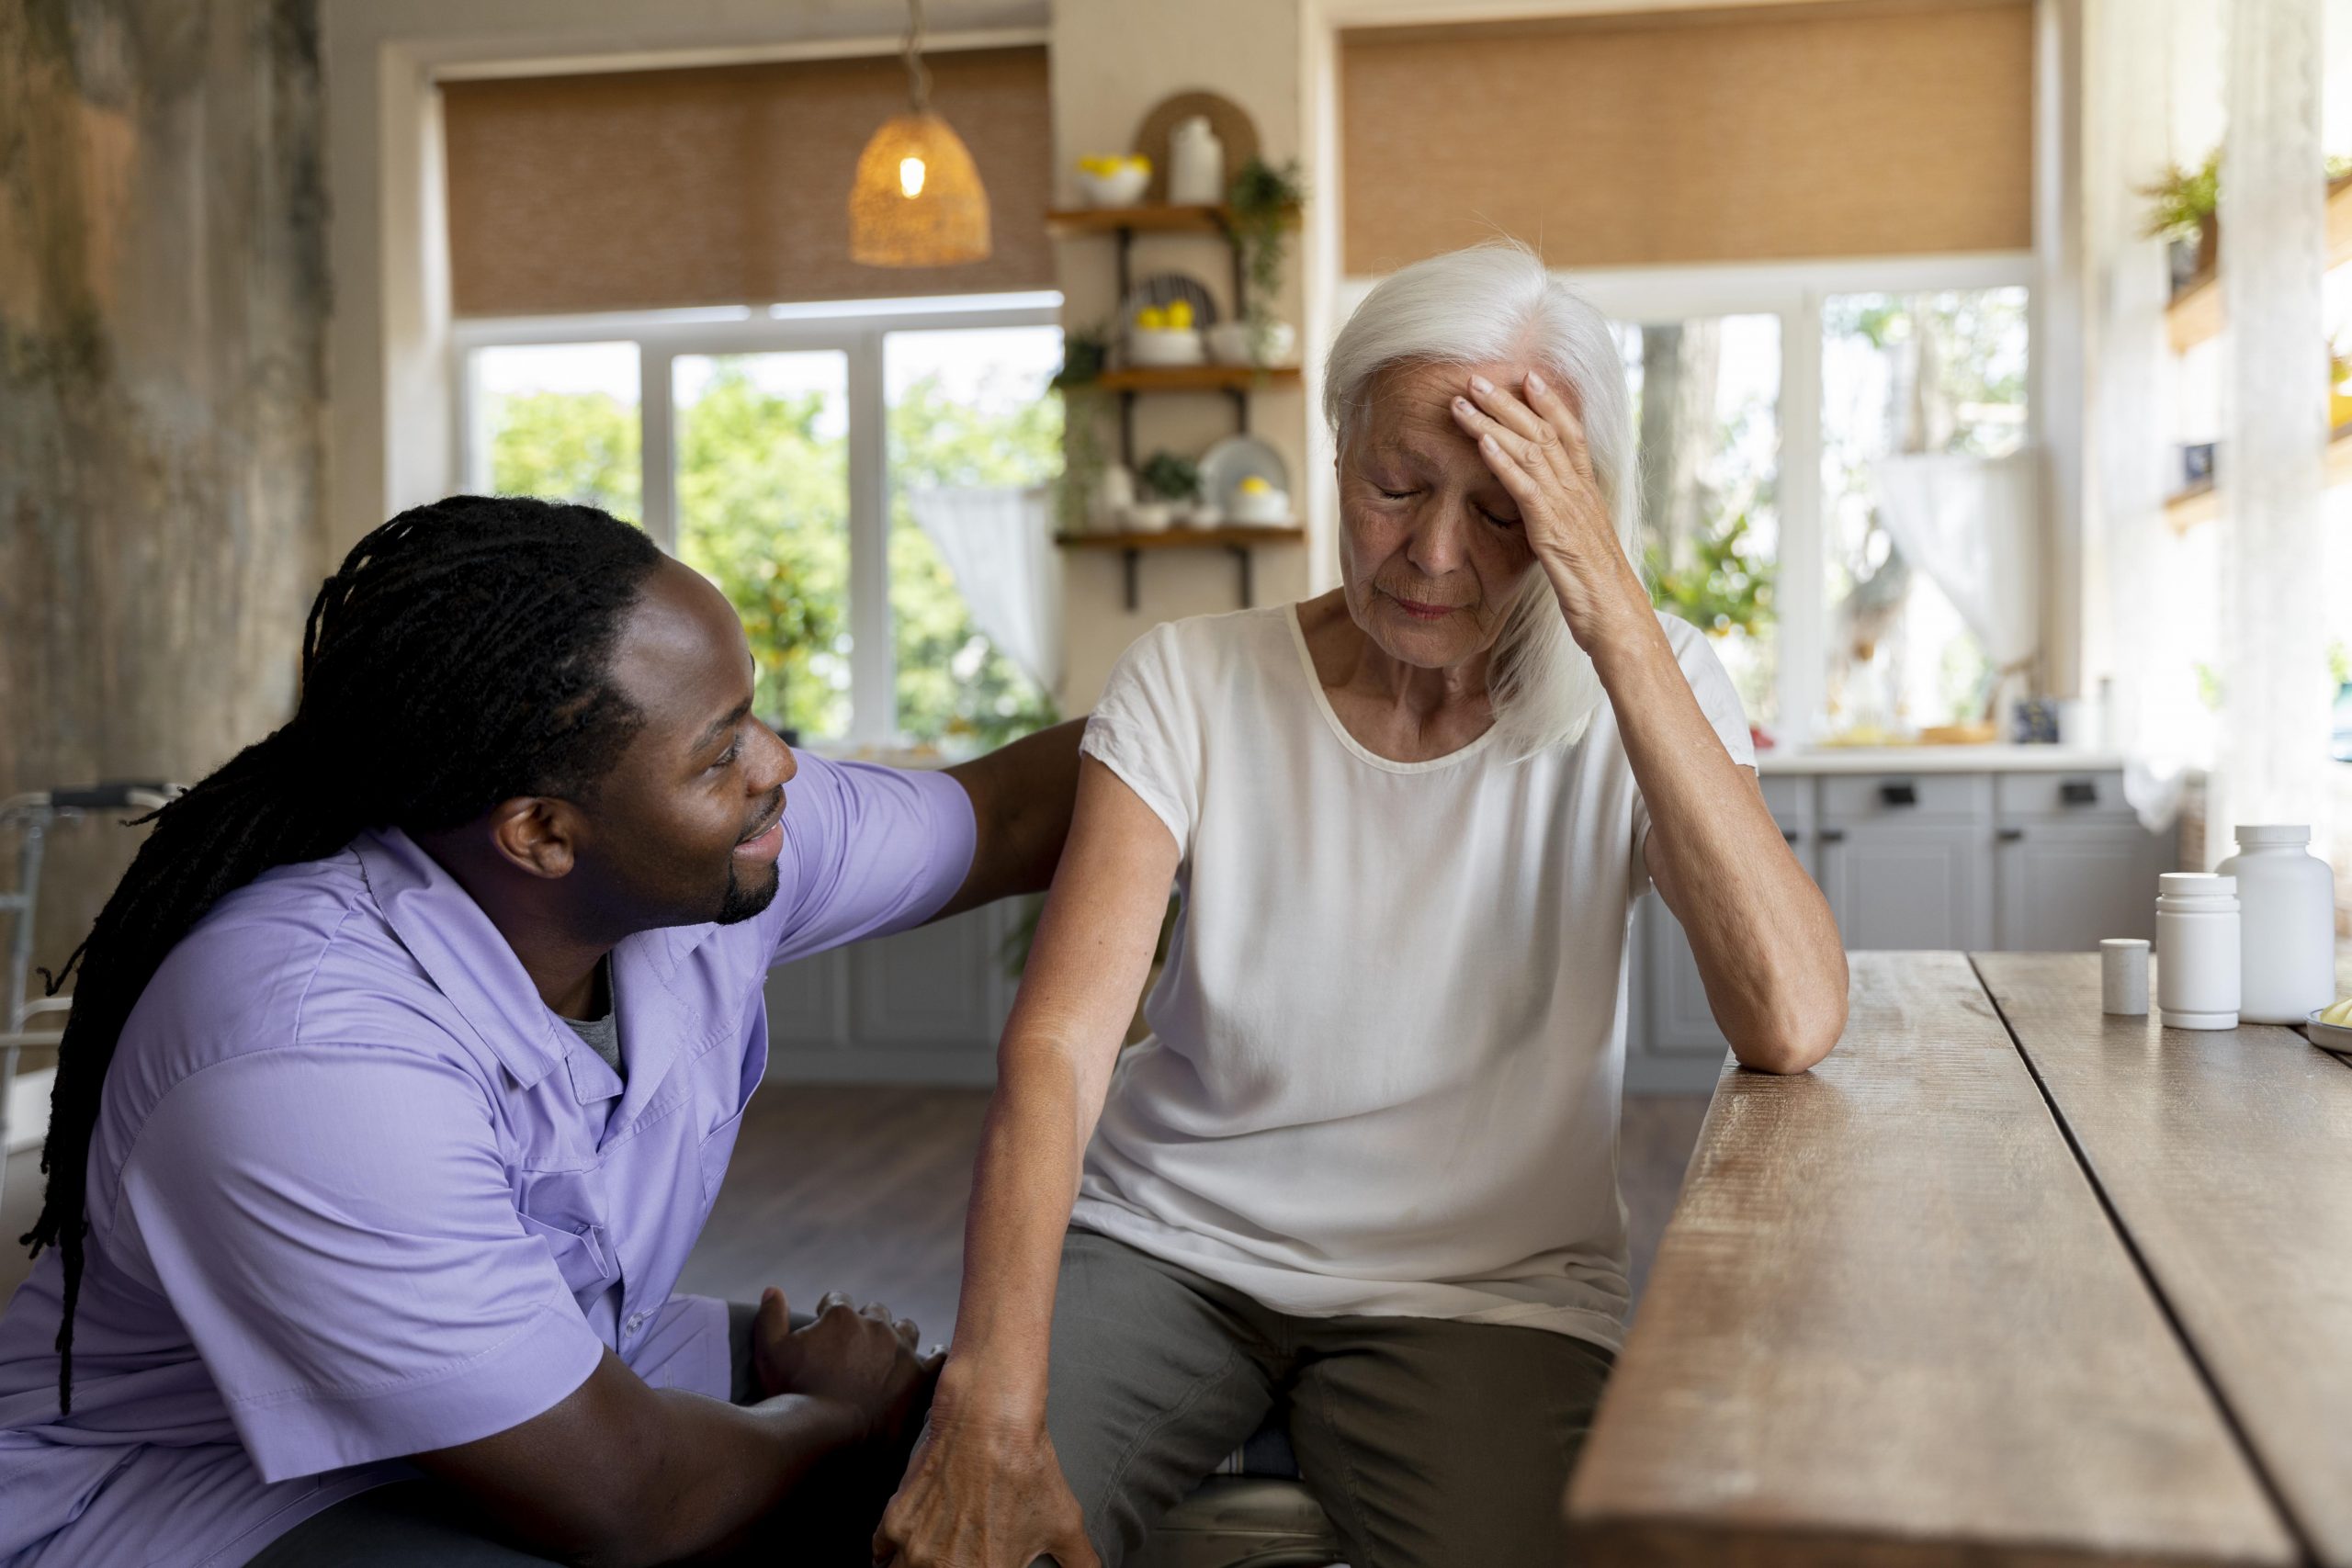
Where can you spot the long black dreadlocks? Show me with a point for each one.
(460, 658)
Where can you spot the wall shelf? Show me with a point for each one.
(2201, 503)
(1198, 378)
(2195, 315)
(1070, 222)
(1238, 540)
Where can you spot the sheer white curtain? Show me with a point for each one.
(1973, 525)
(999, 546)
(2275, 420)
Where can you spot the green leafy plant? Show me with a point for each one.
(1086, 354)
(2182, 200)
(1263, 202)
(1723, 589)
(1170, 477)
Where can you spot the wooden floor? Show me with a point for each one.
(861, 1190)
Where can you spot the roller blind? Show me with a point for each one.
(1761, 133)
(723, 184)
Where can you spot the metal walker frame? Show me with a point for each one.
(33, 816)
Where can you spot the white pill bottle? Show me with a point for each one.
(2286, 925)
(2197, 949)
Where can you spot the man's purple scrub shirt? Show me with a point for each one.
(356, 1193)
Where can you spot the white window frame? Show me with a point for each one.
(854, 328)
(1795, 292)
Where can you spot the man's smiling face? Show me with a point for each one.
(687, 824)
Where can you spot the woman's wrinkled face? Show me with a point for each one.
(1432, 552)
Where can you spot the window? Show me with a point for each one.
(560, 419)
(967, 407)
(763, 510)
(1919, 373)
(1763, 395)
(774, 452)
(1706, 397)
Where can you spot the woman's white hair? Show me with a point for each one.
(1495, 301)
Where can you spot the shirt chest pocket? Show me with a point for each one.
(565, 1211)
(724, 1081)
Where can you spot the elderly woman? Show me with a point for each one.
(1363, 1173)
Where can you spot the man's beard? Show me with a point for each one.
(739, 905)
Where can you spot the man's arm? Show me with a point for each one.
(1022, 799)
(619, 1473)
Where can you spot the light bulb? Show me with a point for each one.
(911, 176)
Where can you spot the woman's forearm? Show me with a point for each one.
(1022, 1186)
(1762, 934)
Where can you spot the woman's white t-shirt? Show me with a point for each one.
(1386, 1049)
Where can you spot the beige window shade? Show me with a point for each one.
(1715, 136)
(727, 185)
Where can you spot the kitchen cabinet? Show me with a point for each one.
(2034, 860)
(925, 1006)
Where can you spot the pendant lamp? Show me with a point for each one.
(918, 201)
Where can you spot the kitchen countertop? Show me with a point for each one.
(1935, 759)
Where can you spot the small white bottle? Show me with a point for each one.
(2286, 925)
(2197, 949)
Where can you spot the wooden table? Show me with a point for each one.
(2003, 1281)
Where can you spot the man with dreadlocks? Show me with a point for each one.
(404, 1065)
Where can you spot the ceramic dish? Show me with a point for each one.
(1236, 457)
(1164, 288)
(1121, 187)
(2329, 1036)
(1160, 347)
(1229, 344)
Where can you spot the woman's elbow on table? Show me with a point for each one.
(1800, 1032)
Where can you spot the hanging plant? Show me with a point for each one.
(1263, 202)
(1086, 353)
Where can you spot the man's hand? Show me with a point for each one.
(863, 1358)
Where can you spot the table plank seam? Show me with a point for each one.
(2306, 1547)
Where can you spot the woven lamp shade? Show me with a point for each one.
(901, 214)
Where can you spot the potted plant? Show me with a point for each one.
(1261, 205)
(2182, 210)
(1174, 482)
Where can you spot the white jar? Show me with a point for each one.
(2286, 925)
(1196, 164)
(2197, 949)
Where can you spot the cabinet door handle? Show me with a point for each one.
(1832, 835)
(1790, 834)
(1903, 794)
(2078, 792)
(2011, 835)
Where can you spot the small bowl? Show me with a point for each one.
(1264, 508)
(1157, 347)
(1123, 189)
(1149, 516)
(1229, 344)
(2328, 1037)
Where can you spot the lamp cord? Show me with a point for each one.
(917, 74)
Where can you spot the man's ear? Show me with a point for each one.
(537, 834)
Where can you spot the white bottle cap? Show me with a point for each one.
(2250, 834)
(2196, 884)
